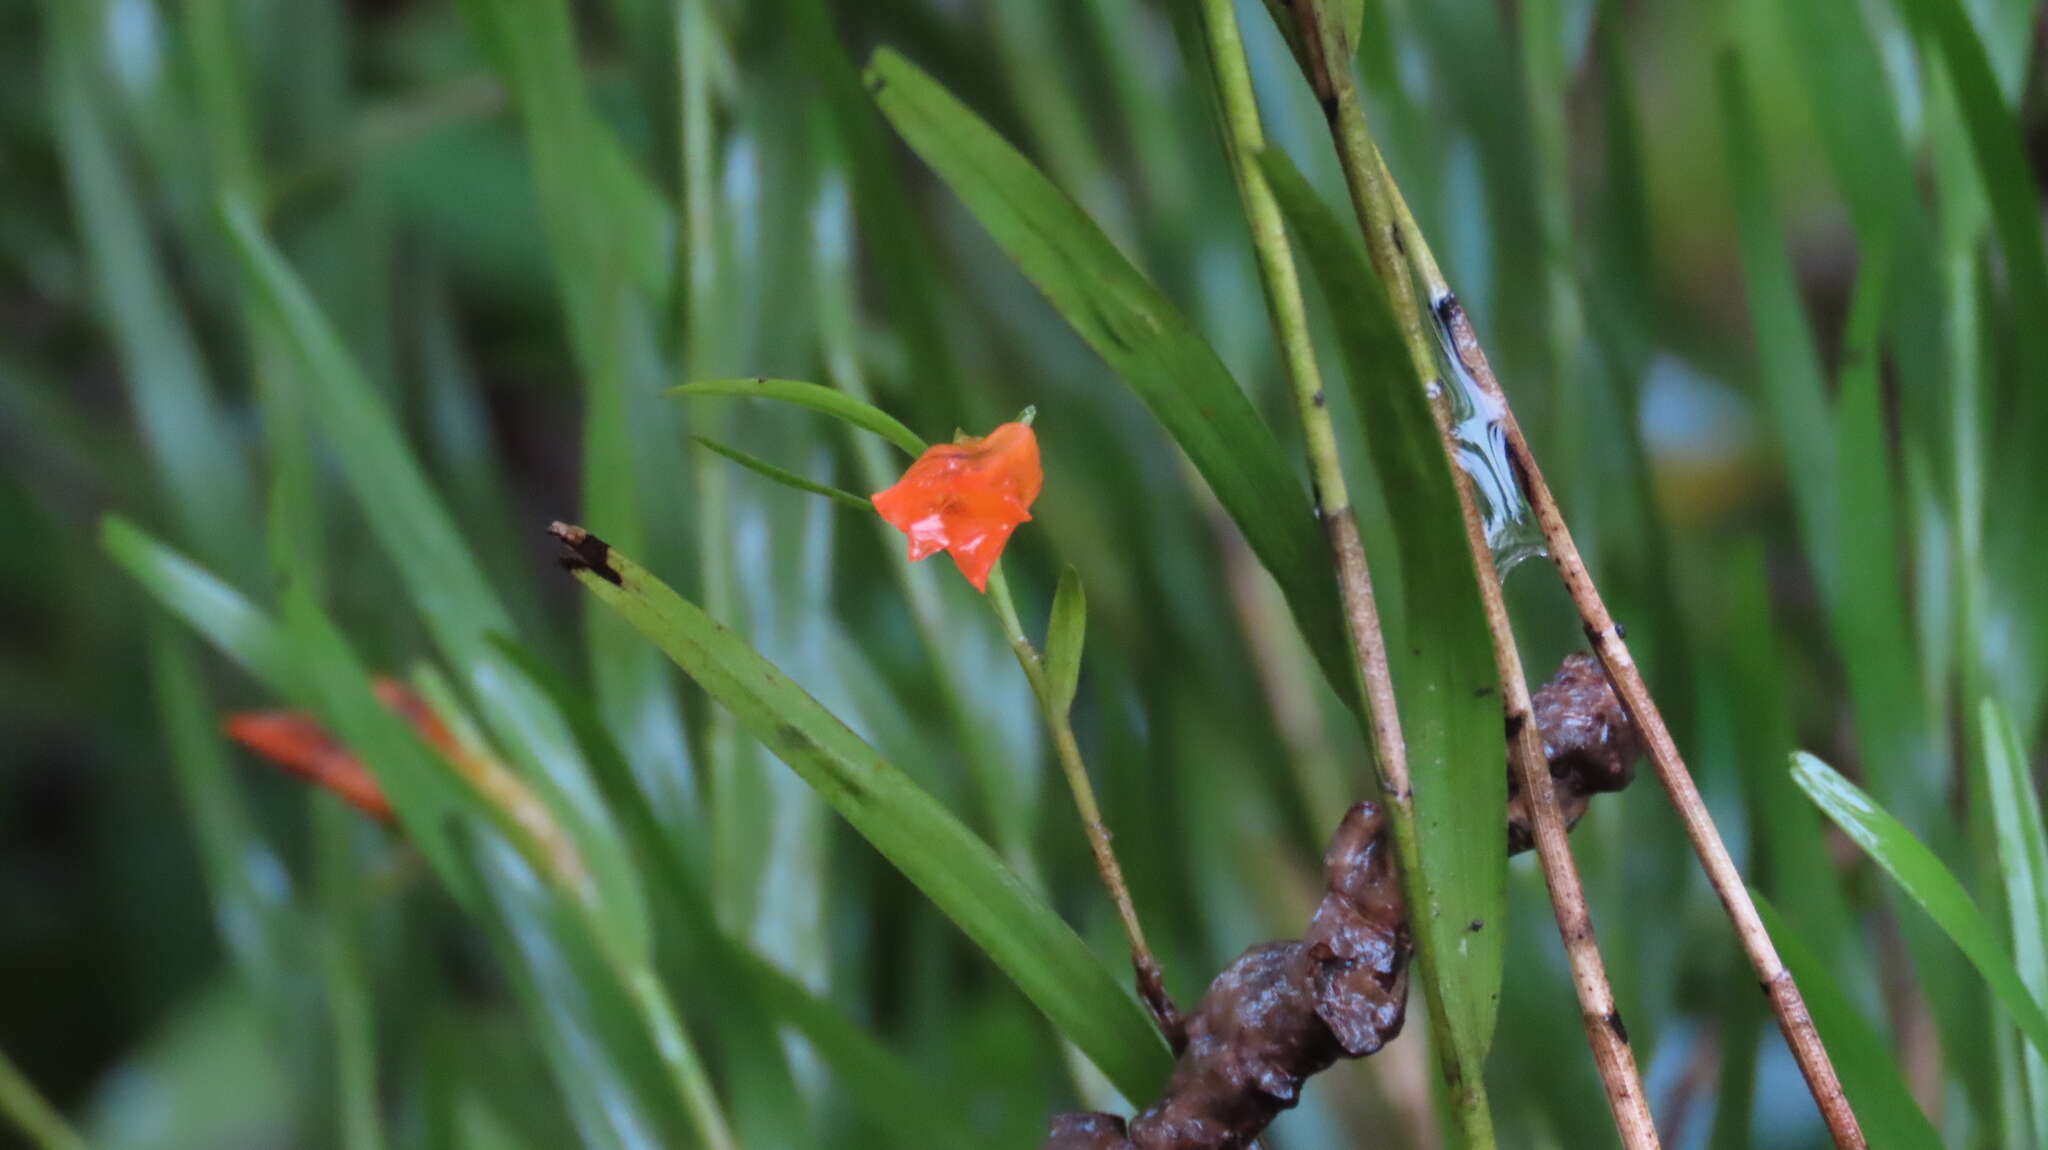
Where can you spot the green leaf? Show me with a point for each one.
(453, 824)
(817, 397)
(1064, 638)
(185, 430)
(766, 1107)
(784, 476)
(1137, 331)
(1871, 614)
(1929, 883)
(1862, 1055)
(1795, 391)
(954, 868)
(420, 536)
(1438, 645)
(898, 1098)
(253, 911)
(2000, 148)
(425, 794)
(216, 610)
(580, 1007)
(2023, 857)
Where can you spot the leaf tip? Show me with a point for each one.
(582, 551)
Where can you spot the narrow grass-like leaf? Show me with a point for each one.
(567, 987)
(185, 430)
(424, 793)
(420, 536)
(433, 806)
(817, 397)
(1792, 855)
(957, 870)
(766, 1107)
(1440, 652)
(351, 1016)
(1795, 392)
(783, 475)
(1871, 616)
(1929, 883)
(1138, 331)
(250, 905)
(897, 1097)
(2000, 148)
(2023, 857)
(216, 610)
(1855, 111)
(1064, 639)
(1863, 1056)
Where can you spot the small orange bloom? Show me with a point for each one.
(967, 497)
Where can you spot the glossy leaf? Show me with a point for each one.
(1929, 883)
(953, 867)
(1438, 645)
(1137, 331)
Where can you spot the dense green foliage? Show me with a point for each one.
(317, 314)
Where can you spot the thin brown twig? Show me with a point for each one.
(1608, 643)
(1372, 196)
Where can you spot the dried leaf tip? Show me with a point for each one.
(585, 552)
(967, 498)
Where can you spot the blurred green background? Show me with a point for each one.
(1759, 278)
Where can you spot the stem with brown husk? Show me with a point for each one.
(1244, 138)
(1391, 233)
(1053, 709)
(1372, 196)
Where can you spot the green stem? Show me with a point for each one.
(31, 1113)
(1067, 749)
(1373, 678)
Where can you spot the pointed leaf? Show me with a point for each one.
(787, 478)
(1929, 883)
(954, 868)
(818, 398)
(1064, 639)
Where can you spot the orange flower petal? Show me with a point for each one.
(967, 498)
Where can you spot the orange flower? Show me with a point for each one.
(967, 497)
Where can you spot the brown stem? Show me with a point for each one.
(1372, 196)
(1608, 643)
